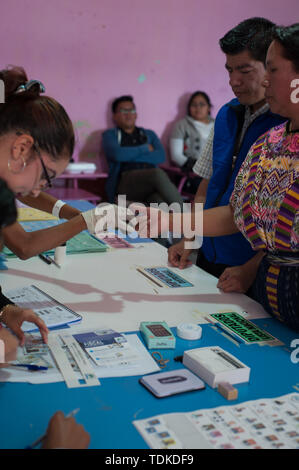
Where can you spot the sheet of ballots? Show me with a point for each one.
(48, 309)
(108, 353)
(270, 423)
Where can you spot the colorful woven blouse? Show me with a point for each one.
(266, 194)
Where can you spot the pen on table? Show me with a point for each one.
(41, 438)
(228, 333)
(45, 258)
(32, 367)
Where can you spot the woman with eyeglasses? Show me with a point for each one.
(190, 134)
(36, 144)
(62, 432)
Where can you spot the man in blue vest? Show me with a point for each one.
(238, 125)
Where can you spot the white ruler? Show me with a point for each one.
(89, 378)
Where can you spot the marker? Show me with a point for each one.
(41, 438)
(45, 258)
(54, 262)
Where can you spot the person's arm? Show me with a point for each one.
(157, 154)
(45, 202)
(115, 152)
(13, 317)
(217, 221)
(26, 244)
(10, 345)
(176, 147)
(201, 193)
(204, 165)
(103, 217)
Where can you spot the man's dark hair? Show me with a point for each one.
(288, 38)
(253, 35)
(120, 99)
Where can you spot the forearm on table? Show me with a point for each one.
(26, 244)
(45, 202)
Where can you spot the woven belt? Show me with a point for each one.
(281, 260)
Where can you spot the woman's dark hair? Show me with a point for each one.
(41, 116)
(8, 210)
(288, 38)
(253, 35)
(194, 95)
(119, 100)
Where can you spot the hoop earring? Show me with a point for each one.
(10, 169)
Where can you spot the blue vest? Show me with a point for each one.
(234, 249)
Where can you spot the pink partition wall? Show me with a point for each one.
(89, 51)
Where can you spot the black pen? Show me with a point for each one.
(45, 259)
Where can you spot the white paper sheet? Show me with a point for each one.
(146, 365)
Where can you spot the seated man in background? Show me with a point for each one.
(133, 154)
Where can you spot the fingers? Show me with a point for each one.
(173, 256)
(184, 261)
(19, 333)
(230, 285)
(33, 318)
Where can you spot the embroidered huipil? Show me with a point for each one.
(265, 202)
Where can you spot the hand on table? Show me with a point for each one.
(13, 317)
(178, 255)
(65, 433)
(235, 279)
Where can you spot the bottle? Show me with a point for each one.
(60, 253)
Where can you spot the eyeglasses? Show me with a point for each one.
(45, 175)
(198, 105)
(127, 111)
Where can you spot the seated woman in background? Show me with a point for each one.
(189, 136)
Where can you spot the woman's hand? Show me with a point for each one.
(65, 433)
(150, 221)
(13, 317)
(240, 278)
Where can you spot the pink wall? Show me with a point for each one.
(89, 51)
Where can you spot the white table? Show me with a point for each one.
(106, 289)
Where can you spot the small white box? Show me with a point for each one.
(213, 365)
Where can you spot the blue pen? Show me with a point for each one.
(32, 367)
